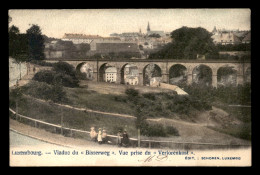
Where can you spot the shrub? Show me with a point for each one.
(150, 96)
(172, 131)
(120, 99)
(52, 77)
(66, 80)
(46, 76)
(130, 92)
(45, 91)
(64, 68)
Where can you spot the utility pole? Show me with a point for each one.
(139, 137)
(97, 71)
(16, 109)
(20, 70)
(61, 121)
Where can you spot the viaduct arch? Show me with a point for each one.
(242, 69)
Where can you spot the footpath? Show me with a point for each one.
(52, 138)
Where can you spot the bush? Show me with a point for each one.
(150, 96)
(158, 130)
(66, 80)
(45, 91)
(64, 68)
(120, 99)
(172, 131)
(46, 76)
(52, 77)
(130, 92)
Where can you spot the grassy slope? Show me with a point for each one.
(82, 97)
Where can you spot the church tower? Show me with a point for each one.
(148, 27)
(214, 31)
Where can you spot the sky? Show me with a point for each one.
(103, 22)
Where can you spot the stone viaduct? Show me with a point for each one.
(164, 65)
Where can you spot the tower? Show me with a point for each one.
(148, 27)
(214, 30)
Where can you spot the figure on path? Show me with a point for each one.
(93, 134)
(125, 140)
(119, 138)
(99, 137)
(104, 136)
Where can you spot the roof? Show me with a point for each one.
(225, 37)
(80, 36)
(240, 34)
(161, 33)
(247, 37)
(116, 47)
(131, 77)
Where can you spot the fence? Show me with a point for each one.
(133, 141)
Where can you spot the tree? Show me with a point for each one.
(13, 40)
(18, 45)
(36, 42)
(187, 44)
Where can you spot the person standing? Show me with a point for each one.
(99, 137)
(93, 134)
(119, 138)
(104, 136)
(125, 140)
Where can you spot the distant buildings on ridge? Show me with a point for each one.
(132, 44)
(223, 36)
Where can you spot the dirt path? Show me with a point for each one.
(30, 74)
(57, 139)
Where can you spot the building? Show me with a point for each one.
(80, 38)
(131, 80)
(247, 38)
(88, 70)
(155, 81)
(128, 36)
(224, 38)
(110, 75)
(151, 32)
(113, 46)
(131, 75)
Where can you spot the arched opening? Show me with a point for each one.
(107, 73)
(130, 74)
(248, 75)
(84, 71)
(152, 75)
(202, 75)
(178, 74)
(227, 76)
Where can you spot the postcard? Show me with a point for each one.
(130, 87)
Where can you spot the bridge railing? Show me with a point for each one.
(72, 132)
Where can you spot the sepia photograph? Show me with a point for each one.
(130, 87)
